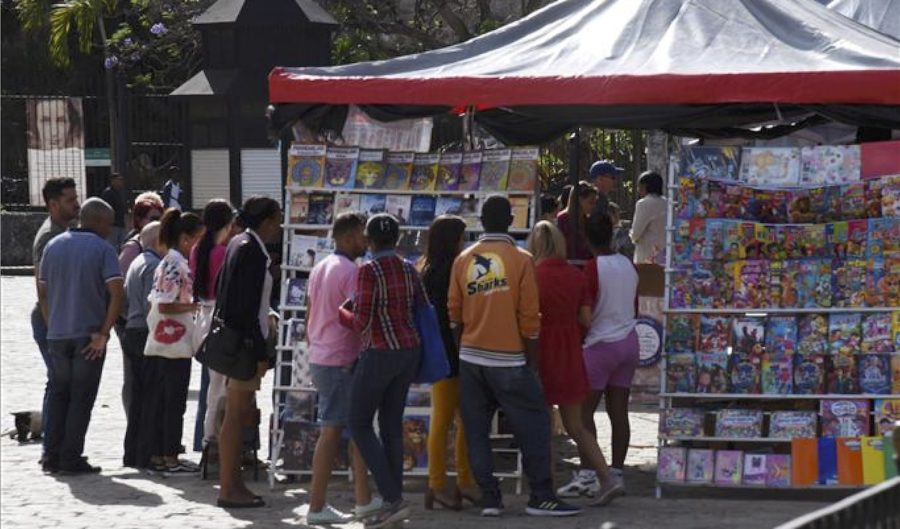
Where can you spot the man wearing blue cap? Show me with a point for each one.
(603, 175)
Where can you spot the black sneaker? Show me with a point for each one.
(551, 507)
(491, 506)
(80, 467)
(49, 466)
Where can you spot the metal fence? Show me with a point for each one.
(877, 507)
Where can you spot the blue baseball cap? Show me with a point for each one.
(605, 167)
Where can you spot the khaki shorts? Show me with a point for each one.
(246, 385)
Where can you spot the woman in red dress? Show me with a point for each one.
(562, 290)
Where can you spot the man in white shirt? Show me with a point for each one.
(648, 230)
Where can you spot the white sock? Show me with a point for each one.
(587, 475)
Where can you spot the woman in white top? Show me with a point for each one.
(648, 230)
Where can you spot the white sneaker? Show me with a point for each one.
(361, 511)
(328, 515)
(608, 493)
(619, 478)
(584, 483)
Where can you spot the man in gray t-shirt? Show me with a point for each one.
(61, 200)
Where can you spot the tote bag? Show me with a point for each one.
(171, 335)
(434, 364)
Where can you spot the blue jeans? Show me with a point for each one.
(381, 383)
(73, 389)
(199, 432)
(39, 332)
(518, 392)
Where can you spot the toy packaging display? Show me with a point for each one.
(739, 423)
(844, 418)
(682, 422)
(791, 424)
(671, 464)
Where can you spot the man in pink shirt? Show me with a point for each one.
(333, 351)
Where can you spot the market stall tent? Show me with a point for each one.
(883, 15)
(626, 63)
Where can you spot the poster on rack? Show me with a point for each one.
(402, 135)
(55, 141)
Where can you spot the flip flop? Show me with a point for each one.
(252, 504)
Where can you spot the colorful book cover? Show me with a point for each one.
(809, 373)
(449, 170)
(814, 241)
(844, 333)
(697, 237)
(877, 332)
(732, 202)
(754, 469)
(723, 275)
(729, 467)
(470, 172)
(684, 204)
(890, 458)
(681, 333)
(842, 374)
(887, 413)
(399, 206)
(372, 204)
(713, 240)
(495, 170)
(751, 284)
(804, 461)
(710, 163)
(878, 234)
(824, 287)
(321, 209)
(717, 201)
(874, 373)
(879, 158)
(523, 169)
(800, 208)
(849, 461)
(828, 466)
(706, 283)
(830, 165)
(681, 294)
(853, 201)
(682, 422)
(415, 441)
(681, 243)
(748, 334)
(422, 210)
(681, 373)
(712, 372)
(306, 165)
(873, 198)
(848, 283)
(895, 370)
(791, 424)
(770, 166)
(398, 170)
(671, 464)
(521, 212)
(777, 375)
(715, 333)
(340, 167)
(297, 331)
(701, 465)
(731, 241)
(346, 203)
(300, 438)
(838, 234)
(798, 284)
(844, 418)
(295, 292)
(425, 172)
(877, 283)
(470, 211)
(737, 423)
(857, 238)
(745, 373)
(370, 169)
(872, 449)
(303, 251)
(299, 207)
(890, 196)
(447, 206)
(892, 271)
(778, 470)
(781, 335)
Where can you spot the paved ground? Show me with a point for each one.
(123, 498)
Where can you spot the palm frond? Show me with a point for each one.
(33, 14)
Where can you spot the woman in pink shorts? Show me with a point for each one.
(610, 345)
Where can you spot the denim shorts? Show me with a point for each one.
(333, 385)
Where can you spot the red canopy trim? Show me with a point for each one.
(878, 87)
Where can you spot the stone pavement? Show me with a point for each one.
(123, 498)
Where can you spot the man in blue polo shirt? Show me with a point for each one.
(80, 292)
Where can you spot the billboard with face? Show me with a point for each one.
(55, 143)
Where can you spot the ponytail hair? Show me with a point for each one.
(174, 223)
(217, 214)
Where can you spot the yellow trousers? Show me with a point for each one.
(444, 411)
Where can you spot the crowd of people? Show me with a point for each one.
(514, 340)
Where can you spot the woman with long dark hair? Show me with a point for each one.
(206, 260)
(586, 196)
(445, 242)
(244, 289)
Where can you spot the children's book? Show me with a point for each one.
(838, 234)
(874, 373)
(681, 243)
(804, 461)
(340, 167)
(495, 170)
(842, 374)
(877, 284)
(715, 333)
(399, 206)
(777, 375)
(770, 166)
(781, 336)
(814, 240)
(800, 208)
(754, 469)
(295, 292)
(892, 296)
(713, 239)
(425, 172)
(449, 170)
(521, 212)
(415, 441)
(830, 165)
(778, 470)
(824, 287)
(304, 251)
(723, 286)
(791, 424)
(849, 461)
(844, 418)
(447, 206)
(878, 235)
(748, 334)
(370, 169)
(671, 464)
(844, 333)
(681, 373)
(684, 203)
(745, 373)
(873, 198)
(681, 333)
(682, 422)
(372, 204)
(306, 165)
(890, 196)
(798, 284)
(716, 200)
(523, 169)
(706, 283)
(812, 334)
(710, 163)
(809, 373)
(321, 209)
(701, 464)
(848, 283)
(729, 467)
(828, 468)
(872, 449)
(732, 202)
(853, 201)
(398, 170)
(470, 172)
(697, 236)
(877, 332)
(857, 238)
(346, 203)
(712, 372)
(751, 284)
(299, 207)
(887, 413)
(681, 294)
(895, 371)
(738, 423)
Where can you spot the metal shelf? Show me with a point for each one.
(326, 227)
(299, 189)
(779, 310)
(758, 487)
(728, 439)
(763, 396)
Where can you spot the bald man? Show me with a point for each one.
(80, 293)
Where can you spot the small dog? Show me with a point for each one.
(29, 425)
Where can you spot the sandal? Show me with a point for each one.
(256, 502)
